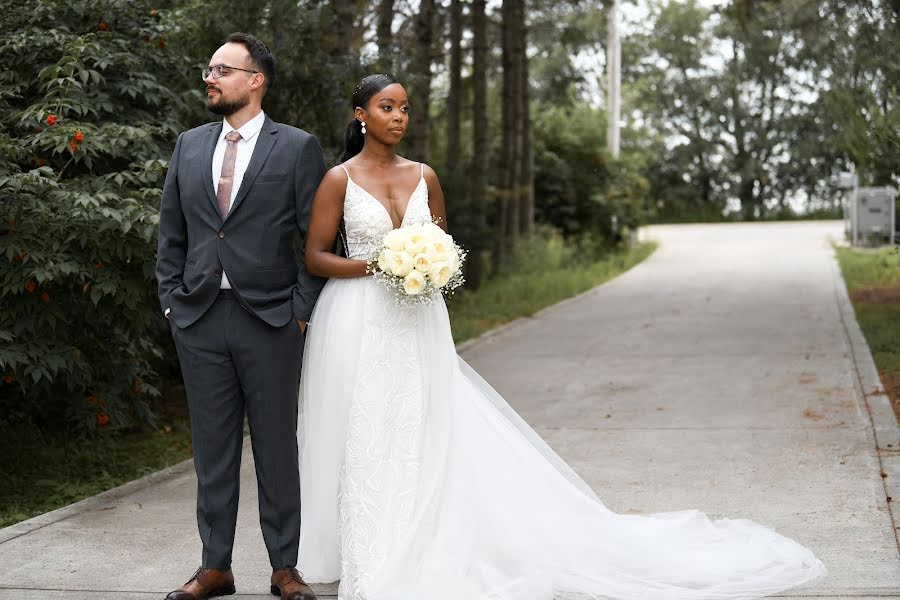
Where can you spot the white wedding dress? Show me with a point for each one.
(419, 482)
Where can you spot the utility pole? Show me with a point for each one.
(614, 80)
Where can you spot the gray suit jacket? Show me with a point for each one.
(255, 242)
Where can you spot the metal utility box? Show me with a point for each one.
(872, 215)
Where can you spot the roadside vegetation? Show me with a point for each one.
(873, 280)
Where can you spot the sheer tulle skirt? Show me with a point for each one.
(420, 482)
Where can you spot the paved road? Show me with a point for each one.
(726, 373)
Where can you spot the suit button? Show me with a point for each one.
(221, 235)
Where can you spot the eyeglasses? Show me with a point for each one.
(218, 71)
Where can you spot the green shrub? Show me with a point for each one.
(578, 188)
(87, 123)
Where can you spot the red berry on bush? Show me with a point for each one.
(162, 43)
(45, 297)
(98, 265)
(51, 120)
(31, 286)
(41, 162)
(102, 419)
(78, 137)
(73, 146)
(9, 378)
(92, 399)
(102, 26)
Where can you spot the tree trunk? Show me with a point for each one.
(341, 34)
(742, 158)
(384, 35)
(283, 29)
(420, 81)
(453, 100)
(526, 178)
(517, 118)
(480, 141)
(507, 152)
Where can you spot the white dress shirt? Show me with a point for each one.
(249, 134)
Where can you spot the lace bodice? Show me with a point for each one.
(366, 220)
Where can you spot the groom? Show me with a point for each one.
(236, 194)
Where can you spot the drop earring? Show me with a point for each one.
(363, 127)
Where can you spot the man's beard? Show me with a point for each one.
(227, 107)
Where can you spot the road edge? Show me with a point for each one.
(94, 502)
(884, 432)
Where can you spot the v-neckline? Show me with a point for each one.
(385, 208)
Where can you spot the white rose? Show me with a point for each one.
(432, 232)
(422, 262)
(401, 264)
(414, 283)
(433, 254)
(441, 247)
(415, 243)
(384, 260)
(394, 240)
(453, 261)
(440, 274)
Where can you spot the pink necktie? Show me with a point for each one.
(226, 179)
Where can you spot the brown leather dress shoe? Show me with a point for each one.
(205, 583)
(288, 584)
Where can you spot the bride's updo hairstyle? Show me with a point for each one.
(368, 87)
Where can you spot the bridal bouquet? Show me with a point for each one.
(419, 262)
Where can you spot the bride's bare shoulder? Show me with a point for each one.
(334, 183)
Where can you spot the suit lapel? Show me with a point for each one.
(212, 136)
(260, 154)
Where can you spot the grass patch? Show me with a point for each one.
(866, 268)
(873, 281)
(548, 272)
(43, 474)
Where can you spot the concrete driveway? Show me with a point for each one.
(726, 373)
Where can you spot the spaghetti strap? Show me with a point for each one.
(345, 170)
(422, 169)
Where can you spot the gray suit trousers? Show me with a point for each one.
(235, 363)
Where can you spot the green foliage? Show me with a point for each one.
(864, 268)
(859, 108)
(87, 120)
(756, 106)
(317, 63)
(880, 324)
(577, 188)
(873, 280)
(545, 272)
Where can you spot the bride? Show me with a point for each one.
(420, 482)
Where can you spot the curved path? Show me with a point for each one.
(726, 373)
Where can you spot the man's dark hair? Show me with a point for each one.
(260, 57)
